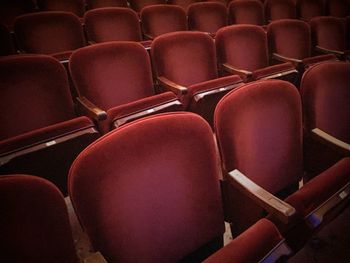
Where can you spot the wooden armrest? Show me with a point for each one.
(235, 71)
(148, 36)
(275, 206)
(330, 51)
(91, 110)
(172, 86)
(95, 258)
(286, 59)
(331, 141)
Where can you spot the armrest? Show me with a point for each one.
(235, 71)
(331, 141)
(148, 36)
(286, 59)
(95, 258)
(91, 110)
(330, 51)
(172, 86)
(275, 206)
(90, 42)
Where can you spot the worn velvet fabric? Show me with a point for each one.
(10, 9)
(250, 246)
(112, 24)
(76, 7)
(279, 9)
(137, 5)
(308, 9)
(34, 222)
(7, 46)
(92, 4)
(207, 16)
(246, 12)
(160, 19)
(49, 32)
(150, 198)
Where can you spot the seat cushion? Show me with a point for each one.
(272, 70)
(43, 135)
(320, 188)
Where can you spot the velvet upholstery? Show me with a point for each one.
(49, 32)
(10, 9)
(337, 8)
(307, 9)
(76, 7)
(207, 16)
(246, 12)
(92, 4)
(279, 9)
(7, 47)
(37, 109)
(152, 202)
(182, 3)
(112, 24)
(160, 19)
(34, 221)
(137, 5)
(113, 74)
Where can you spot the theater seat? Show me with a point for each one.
(34, 221)
(308, 9)
(329, 36)
(337, 8)
(247, 12)
(142, 197)
(279, 9)
(325, 93)
(113, 24)
(182, 3)
(259, 132)
(40, 134)
(243, 50)
(207, 17)
(92, 4)
(186, 63)
(52, 33)
(137, 5)
(290, 41)
(160, 19)
(7, 46)
(114, 83)
(76, 7)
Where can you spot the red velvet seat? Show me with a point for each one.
(246, 12)
(137, 5)
(243, 50)
(7, 46)
(160, 19)
(113, 24)
(290, 41)
(207, 17)
(279, 9)
(92, 4)
(329, 36)
(10, 9)
(182, 3)
(114, 83)
(34, 221)
(337, 8)
(53, 33)
(186, 63)
(76, 7)
(307, 9)
(40, 134)
(325, 93)
(259, 132)
(149, 192)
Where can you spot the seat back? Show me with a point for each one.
(290, 38)
(246, 12)
(34, 221)
(338, 8)
(207, 16)
(137, 5)
(279, 9)
(242, 46)
(92, 4)
(185, 57)
(34, 94)
(307, 9)
(10, 9)
(7, 47)
(182, 3)
(49, 32)
(112, 24)
(157, 197)
(160, 19)
(326, 93)
(329, 32)
(256, 137)
(111, 74)
(76, 7)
